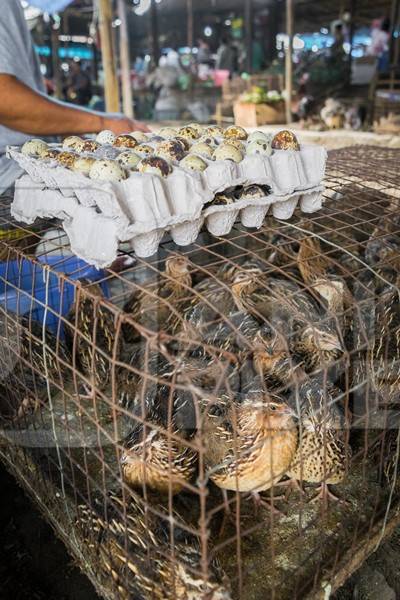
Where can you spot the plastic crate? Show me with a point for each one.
(29, 288)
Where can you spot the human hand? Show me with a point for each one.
(118, 124)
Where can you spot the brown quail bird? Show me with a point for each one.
(158, 308)
(93, 336)
(323, 452)
(249, 445)
(146, 556)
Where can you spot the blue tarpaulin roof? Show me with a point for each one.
(50, 6)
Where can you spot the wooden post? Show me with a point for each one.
(289, 60)
(55, 61)
(190, 31)
(394, 42)
(107, 52)
(353, 9)
(154, 32)
(248, 27)
(125, 61)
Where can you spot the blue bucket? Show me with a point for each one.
(29, 288)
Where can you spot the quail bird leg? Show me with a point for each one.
(325, 495)
(291, 485)
(268, 504)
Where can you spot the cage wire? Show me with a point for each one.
(219, 421)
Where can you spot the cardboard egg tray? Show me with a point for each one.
(98, 215)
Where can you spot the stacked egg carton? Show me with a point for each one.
(134, 187)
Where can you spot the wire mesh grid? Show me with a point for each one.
(220, 422)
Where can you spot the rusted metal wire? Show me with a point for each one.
(163, 416)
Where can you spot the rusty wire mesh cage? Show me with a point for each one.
(218, 423)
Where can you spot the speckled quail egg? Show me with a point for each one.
(228, 152)
(184, 142)
(197, 127)
(73, 142)
(202, 149)
(125, 141)
(249, 192)
(208, 139)
(189, 133)
(259, 147)
(155, 165)
(108, 151)
(168, 132)
(170, 150)
(129, 159)
(155, 139)
(259, 135)
(90, 146)
(139, 136)
(193, 163)
(66, 159)
(236, 132)
(106, 170)
(223, 199)
(34, 147)
(83, 164)
(48, 153)
(236, 143)
(105, 137)
(285, 140)
(214, 131)
(144, 150)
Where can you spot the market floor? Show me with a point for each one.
(34, 564)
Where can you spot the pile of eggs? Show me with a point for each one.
(112, 158)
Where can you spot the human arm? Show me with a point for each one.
(23, 109)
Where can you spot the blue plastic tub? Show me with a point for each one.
(28, 288)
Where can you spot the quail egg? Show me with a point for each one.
(73, 142)
(83, 164)
(202, 149)
(170, 150)
(250, 192)
(155, 139)
(236, 143)
(90, 146)
(228, 152)
(259, 147)
(106, 170)
(129, 159)
(48, 153)
(139, 136)
(125, 141)
(168, 132)
(193, 163)
(189, 133)
(236, 132)
(34, 147)
(144, 150)
(184, 142)
(66, 159)
(197, 127)
(214, 131)
(105, 137)
(107, 151)
(208, 139)
(259, 135)
(155, 165)
(285, 140)
(223, 198)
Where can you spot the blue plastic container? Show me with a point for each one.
(28, 288)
